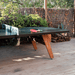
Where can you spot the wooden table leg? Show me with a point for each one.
(18, 42)
(34, 44)
(49, 37)
(47, 40)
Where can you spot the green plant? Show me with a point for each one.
(21, 21)
(11, 17)
(35, 16)
(40, 3)
(10, 10)
(37, 21)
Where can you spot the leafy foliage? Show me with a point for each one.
(34, 16)
(21, 21)
(11, 17)
(40, 3)
(10, 10)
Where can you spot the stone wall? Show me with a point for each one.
(56, 17)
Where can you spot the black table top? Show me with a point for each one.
(26, 32)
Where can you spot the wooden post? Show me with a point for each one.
(45, 7)
(74, 18)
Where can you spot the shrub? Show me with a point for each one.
(21, 21)
(11, 17)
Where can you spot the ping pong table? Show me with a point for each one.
(13, 32)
